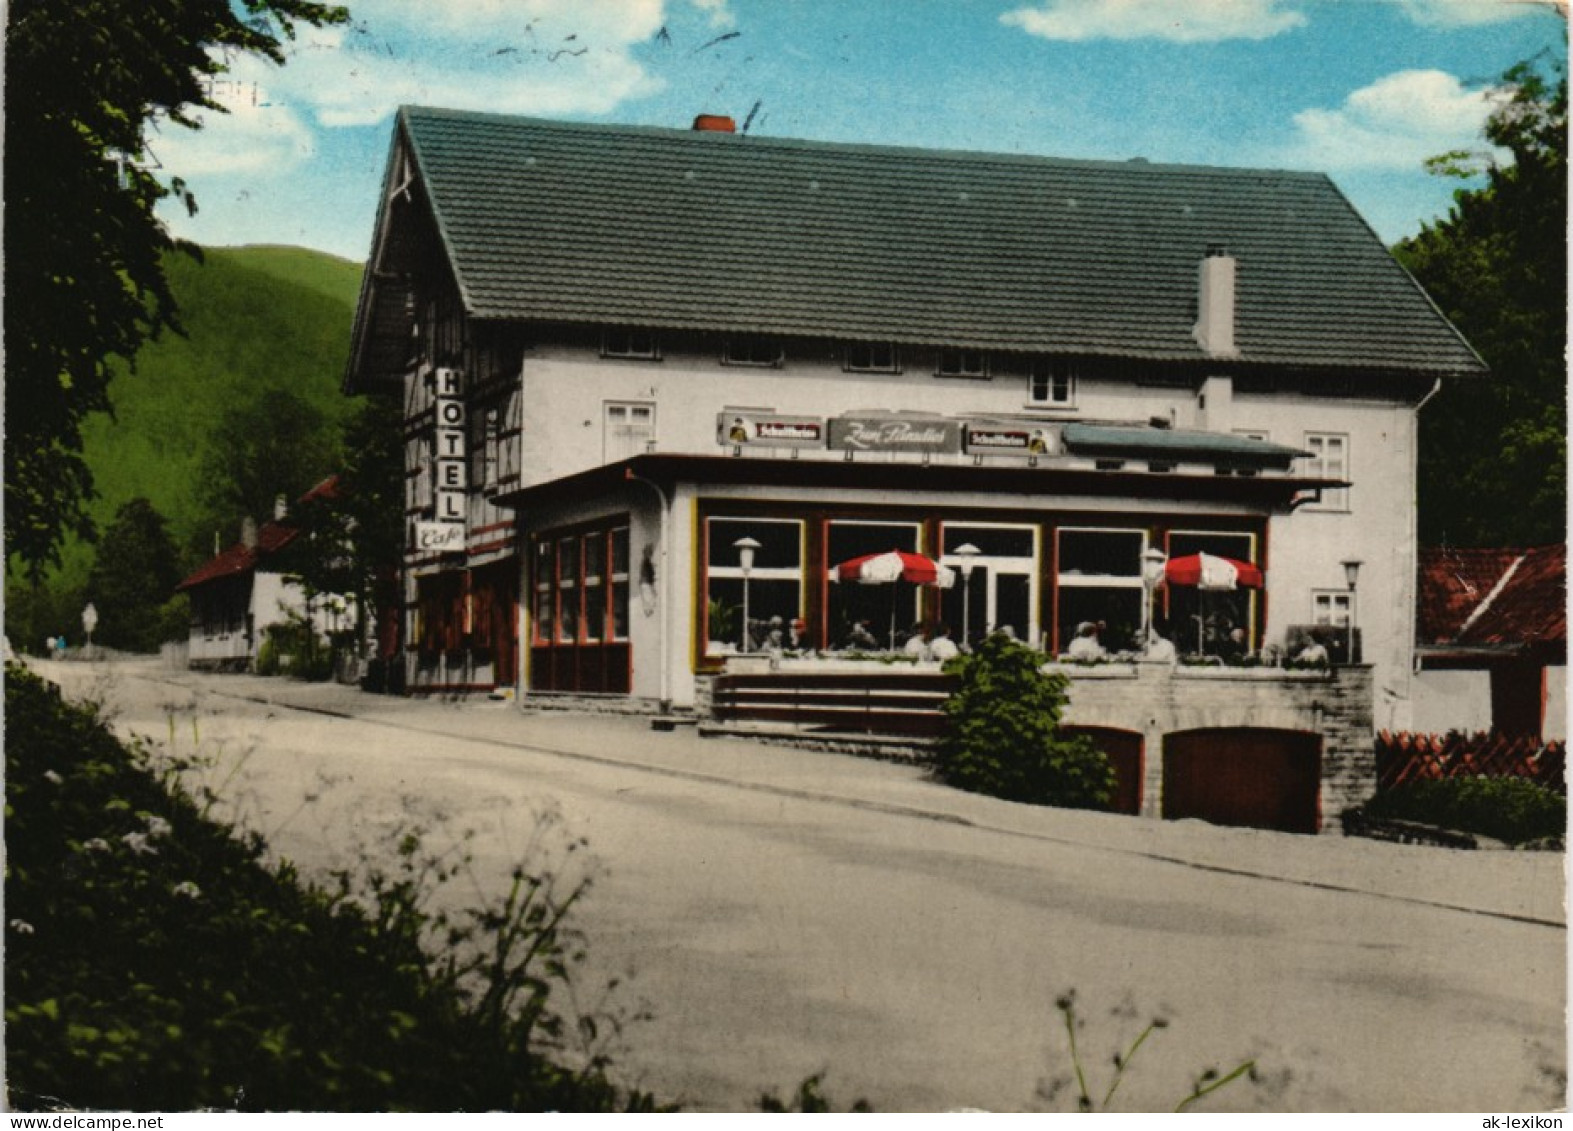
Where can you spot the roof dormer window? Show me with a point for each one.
(753, 349)
(963, 363)
(872, 357)
(1052, 384)
(624, 342)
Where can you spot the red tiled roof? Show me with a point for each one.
(271, 538)
(1493, 597)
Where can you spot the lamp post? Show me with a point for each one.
(1153, 561)
(1352, 575)
(89, 623)
(745, 559)
(968, 554)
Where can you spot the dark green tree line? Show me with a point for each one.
(84, 276)
(1493, 451)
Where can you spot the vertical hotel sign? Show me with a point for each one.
(451, 468)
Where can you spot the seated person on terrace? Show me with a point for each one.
(1086, 646)
(916, 645)
(1313, 653)
(860, 639)
(942, 647)
(1160, 649)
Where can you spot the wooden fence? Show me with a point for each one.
(1405, 757)
(878, 703)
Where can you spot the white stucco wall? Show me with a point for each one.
(566, 391)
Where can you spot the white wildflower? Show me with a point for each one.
(97, 844)
(157, 827)
(51, 776)
(21, 926)
(137, 842)
(187, 890)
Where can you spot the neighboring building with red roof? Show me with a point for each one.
(1492, 640)
(240, 593)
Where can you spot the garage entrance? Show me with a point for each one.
(1126, 751)
(1254, 777)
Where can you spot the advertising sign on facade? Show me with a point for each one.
(767, 430)
(1025, 439)
(439, 537)
(452, 470)
(894, 434)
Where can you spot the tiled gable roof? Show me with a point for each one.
(601, 224)
(272, 537)
(1493, 598)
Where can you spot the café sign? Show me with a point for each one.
(894, 433)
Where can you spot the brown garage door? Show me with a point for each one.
(1125, 750)
(1259, 778)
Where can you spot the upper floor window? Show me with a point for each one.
(630, 429)
(1052, 384)
(872, 357)
(1330, 607)
(963, 363)
(752, 350)
(625, 342)
(1329, 459)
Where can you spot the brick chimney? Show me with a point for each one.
(715, 124)
(1215, 305)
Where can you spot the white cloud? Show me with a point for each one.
(1395, 123)
(1471, 13)
(1199, 21)
(720, 15)
(512, 56)
(256, 136)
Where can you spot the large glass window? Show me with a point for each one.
(580, 587)
(856, 611)
(1100, 583)
(1202, 620)
(1001, 591)
(772, 589)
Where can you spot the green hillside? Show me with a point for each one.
(255, 318)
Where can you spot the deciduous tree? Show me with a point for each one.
(132, 585)
(1493, 452)
(85, 80)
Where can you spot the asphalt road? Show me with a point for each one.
(783, 913)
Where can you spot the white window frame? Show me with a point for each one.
(1333, 608)
(1318, 465)
(608, 408)
(1051, 383)
(1065, 580)
(854, 364)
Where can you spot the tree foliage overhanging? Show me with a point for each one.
(84, 280)
(1493, 452)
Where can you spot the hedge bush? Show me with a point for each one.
(1001, 735)
(1513, 810)
(156, 961)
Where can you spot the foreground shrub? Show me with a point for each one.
(1001, 734)
(1507, 809)
(155, 961)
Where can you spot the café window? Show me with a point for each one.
(580, 590)
(963, 363)
(874, 609)
(1099, 581)
(1002, 591)
(1051, 384)
(774, 585)
(753, 350)
(872, 357)
(1198, 620)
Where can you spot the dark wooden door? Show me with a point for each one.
(1127, 753)
(1249, 776)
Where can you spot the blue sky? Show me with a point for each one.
(1362, 90)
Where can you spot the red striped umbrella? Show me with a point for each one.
(894, 565)
(1208, 571)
